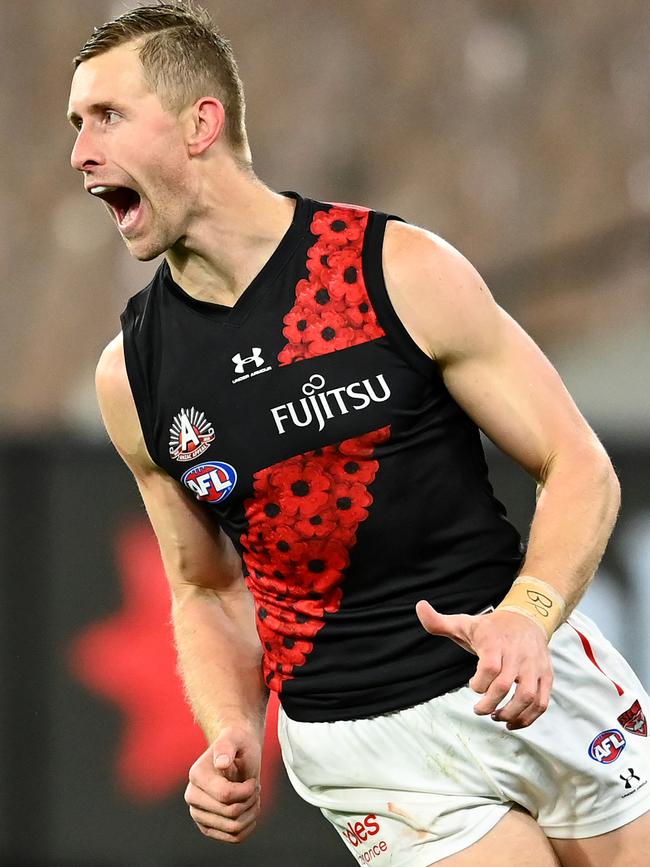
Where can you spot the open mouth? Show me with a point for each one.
(123, 201)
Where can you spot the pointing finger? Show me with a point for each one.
(496, 692)
(489, 667)
(529, 701)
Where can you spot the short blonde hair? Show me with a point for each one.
(184, 57)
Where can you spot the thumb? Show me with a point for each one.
(433, 621)
(454, 626)
(224, 752)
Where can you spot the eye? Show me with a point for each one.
(111, 116)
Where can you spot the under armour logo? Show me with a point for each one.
(255, 358)
(630, 776)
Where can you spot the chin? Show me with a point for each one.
(144, 252)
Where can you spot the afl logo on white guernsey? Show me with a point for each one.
(607, 746)
(211, 482)
(189, 435)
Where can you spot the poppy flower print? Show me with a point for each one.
(332, 309)
(302, 523)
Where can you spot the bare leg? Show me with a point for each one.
(628, 846)
(516, 841)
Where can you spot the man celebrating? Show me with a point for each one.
(298, 394)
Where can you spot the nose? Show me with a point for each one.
(85, 153)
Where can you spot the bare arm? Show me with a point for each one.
(213, 616)
(499, 376)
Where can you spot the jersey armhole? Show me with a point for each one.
(137, 382)
(373, 273)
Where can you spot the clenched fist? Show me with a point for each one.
(224, 790)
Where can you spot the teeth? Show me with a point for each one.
(98, 191)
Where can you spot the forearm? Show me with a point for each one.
(220, 657)
(575, 514)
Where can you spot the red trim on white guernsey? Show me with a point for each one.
(590, 655)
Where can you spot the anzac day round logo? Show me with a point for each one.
(190, 435)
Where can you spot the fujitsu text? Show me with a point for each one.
(319, 404)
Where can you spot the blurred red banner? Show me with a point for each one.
(129, 659)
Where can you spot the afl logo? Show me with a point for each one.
(189, 435)
(607, 746)
(211, 482)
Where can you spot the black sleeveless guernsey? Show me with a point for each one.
(325, 444)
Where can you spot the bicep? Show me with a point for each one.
(511, 390)
(492, 368)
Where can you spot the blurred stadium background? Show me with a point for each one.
(519, 131)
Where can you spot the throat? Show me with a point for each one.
(202, 282)
(219, 266)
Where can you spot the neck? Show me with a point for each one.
(233, 230)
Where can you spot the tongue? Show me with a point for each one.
(127, 206)
(123, 200)
(130, 211)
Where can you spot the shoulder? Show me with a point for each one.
(406, 244)
(111, 379)
(438, 294)
(117, 406)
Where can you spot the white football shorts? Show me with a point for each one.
(415, 786)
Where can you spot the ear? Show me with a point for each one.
(206, 123)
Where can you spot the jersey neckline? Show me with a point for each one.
(236, 314)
